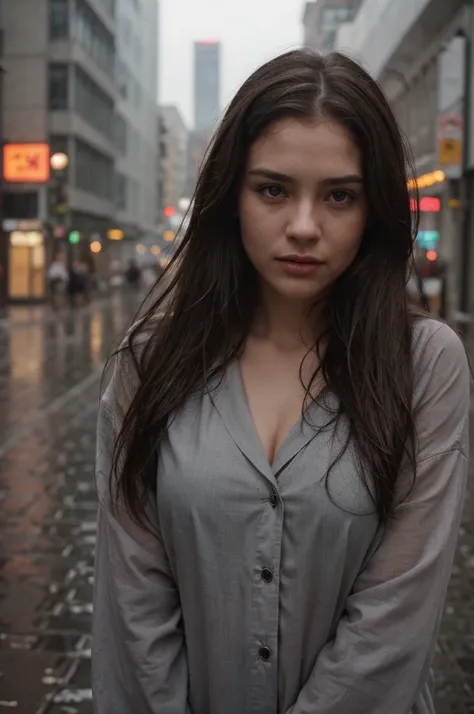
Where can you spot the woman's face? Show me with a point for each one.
(302, 207)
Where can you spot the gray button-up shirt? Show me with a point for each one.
(260, 593)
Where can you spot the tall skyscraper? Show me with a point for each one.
(207, 57)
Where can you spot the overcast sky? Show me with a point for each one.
(251, 31)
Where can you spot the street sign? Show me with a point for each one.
(450, 152)
(26, 163)
(450, 144)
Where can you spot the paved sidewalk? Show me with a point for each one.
(49, 387)
(29, 315)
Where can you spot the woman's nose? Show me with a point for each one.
(305, 224)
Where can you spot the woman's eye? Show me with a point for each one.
(272, 191)
(341, 198)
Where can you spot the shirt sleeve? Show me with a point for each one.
(138, 655)
(381, 655)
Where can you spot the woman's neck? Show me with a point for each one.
(288, 325)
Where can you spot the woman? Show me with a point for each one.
(283, 447)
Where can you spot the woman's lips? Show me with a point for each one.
(299, 266)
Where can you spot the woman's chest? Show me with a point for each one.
(214, 479)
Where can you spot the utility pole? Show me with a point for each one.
(465, 248)
(3, 246)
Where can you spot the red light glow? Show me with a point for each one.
(428, 204)
(432, 255)
(169, 211)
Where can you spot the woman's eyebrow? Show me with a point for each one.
(338, 180)
(269, 174)
(330, 181)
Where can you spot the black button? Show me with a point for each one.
(264, 653)
(273, 499)
(267, 575)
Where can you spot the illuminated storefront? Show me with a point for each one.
(26, 269)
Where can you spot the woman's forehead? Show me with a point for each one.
(292, 146)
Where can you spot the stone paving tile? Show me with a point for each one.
(47, 536)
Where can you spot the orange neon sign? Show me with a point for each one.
(26, 163)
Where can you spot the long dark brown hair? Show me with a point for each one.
(210, 289)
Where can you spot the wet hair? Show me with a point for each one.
(209, 292)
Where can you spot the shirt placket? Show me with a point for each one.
(265, 605)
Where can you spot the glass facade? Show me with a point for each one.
(58, 86)
(94, 172)
(93, 104)
(94, 37)
(206, 85)
(58, 19)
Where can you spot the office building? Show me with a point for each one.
(322, 20)
(417, 52)
(207, 59)
(80, 79)
(174, 140)
(137, 99)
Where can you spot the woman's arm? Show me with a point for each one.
(138, 653)
(384, 644)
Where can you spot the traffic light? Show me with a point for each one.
(59, 200)
(74, 237)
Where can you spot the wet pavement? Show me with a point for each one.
(50, 372)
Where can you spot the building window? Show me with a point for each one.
(94, 172)
(20, 205)
(93, 104)
(58, 19)
(58, 86)
(122, 78)
(120, 191)
(94, 37)
(120, 133)
(125, 31)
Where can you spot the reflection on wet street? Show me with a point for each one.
(50, 372)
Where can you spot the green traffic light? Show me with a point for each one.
(74, 237)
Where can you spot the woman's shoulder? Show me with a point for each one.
(440, 360)
(432, 338)
(123, 376)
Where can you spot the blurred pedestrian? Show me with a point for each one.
(76, 284)
(133, 275)
(283, 450)
(58, 279)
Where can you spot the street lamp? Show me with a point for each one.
(59, 201)
(59, 161)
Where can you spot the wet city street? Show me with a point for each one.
(50, 373)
